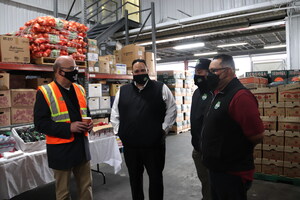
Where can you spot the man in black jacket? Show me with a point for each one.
(142, 113)
(231, 128)
(58, 113)
(199, 103)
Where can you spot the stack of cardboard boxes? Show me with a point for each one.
(279, 154)
(120, 62)
(175, 80)
(16, 105)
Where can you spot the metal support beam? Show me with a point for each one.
(83, 12)
(55, 8)
(142, 27)
(70, 9)
(153, 30)
(126, 27)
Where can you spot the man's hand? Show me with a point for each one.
(79, 127)
(90, 127)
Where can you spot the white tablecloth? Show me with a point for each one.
(31, 170)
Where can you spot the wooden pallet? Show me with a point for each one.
(277, 179)
(50, 61)
(173, 132)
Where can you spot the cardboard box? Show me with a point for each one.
(270, 123)
(92, 64)
(171, 74)
(95, 90)
(23, 97)
(257, 153)
(94, 103)
(289, 96)
(187, 116)
(118, 69)
(291, 86)
(104, 67)
(114, 88)
(272, 167)
(261, 82)
(21, 115)
(293, 75)
(273, 152)
(105, 102)
(93, 46)
(17, 81)
(132, 52)
(292, 109)
(265, 94)
(274, 109)
(179, 117)
(92, 57)
(289, 123)
(179, 108)
(4, 81)
(279, 75)
(291, 169)
(257, 164)
(292, 154)
(5, 100)
(187, 99)
(118, 56)
(274, 138)
(292, 139)
(14, 49)
(5, 117)
(149, 57)
(35, 83)
(263, 74)
(179, 100)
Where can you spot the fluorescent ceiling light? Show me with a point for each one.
(189, 46)
(157, 59)
(232, 45)
(206, 54)
(269, 57)
(269, 61)
(255, 26)
(275, 46)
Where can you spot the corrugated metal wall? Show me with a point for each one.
(14, 13)
(293, 41)
(168, 8)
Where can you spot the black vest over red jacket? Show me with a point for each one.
(223, 143)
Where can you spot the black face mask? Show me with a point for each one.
(212, 81)
(141, 78)
(71, 76)
(201, 82)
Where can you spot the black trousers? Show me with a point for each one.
(153, 159)
(226, 186)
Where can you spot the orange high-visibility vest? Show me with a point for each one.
(59, 110)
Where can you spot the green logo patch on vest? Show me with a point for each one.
(204, 96)
(61, 99)
(217, 105)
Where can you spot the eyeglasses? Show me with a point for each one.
(214, 70)
(70, 68)
(142, 70)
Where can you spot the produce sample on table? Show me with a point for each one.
(29, 134)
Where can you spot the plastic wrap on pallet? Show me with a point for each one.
(53, 37)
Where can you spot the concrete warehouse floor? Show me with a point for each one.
(180, 180)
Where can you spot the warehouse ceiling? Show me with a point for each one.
(258, 28)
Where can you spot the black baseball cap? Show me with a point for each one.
(202, 63)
